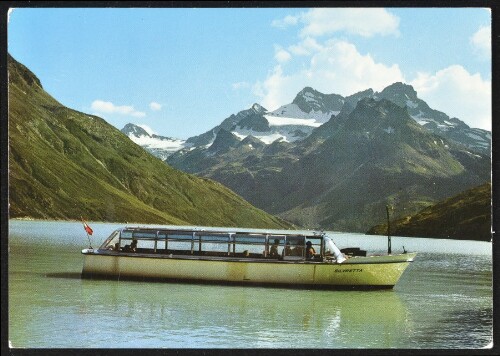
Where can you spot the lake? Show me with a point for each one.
(443, 300)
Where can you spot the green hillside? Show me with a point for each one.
(466, 216)
(64, 164)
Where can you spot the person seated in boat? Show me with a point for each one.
(115, 247)
(310, 252)
(299, 249)
(274, 249)
(132, 247)
(296, 250)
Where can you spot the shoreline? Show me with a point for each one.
(31, 219)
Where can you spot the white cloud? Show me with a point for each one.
(365, 22)
(481, 42)
(108, 107)
(306, 47)
(285, 22)
(337, 67)
(277, 89)
(281, 55)
(457, 93)
(155, 106)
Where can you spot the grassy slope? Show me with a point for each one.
(466, 216)
(64, 164)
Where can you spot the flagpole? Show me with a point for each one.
(88, 236)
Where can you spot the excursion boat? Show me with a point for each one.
(210, 255)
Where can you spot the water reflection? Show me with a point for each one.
(442, 301)
(249, 317)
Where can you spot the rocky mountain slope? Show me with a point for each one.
(310, 109)
(436, 121)
(466, 216)
(345, 171)
(64, 164)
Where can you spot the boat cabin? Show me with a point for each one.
(218, 244)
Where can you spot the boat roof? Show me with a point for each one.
(225, 231)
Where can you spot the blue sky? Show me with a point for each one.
(180, 72)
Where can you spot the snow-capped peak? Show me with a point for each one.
(258, 108)
(159, 146)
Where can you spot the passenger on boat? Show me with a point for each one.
(132, 247)
(274, 249)
(115, 247)
(310, 252)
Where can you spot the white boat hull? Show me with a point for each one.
(374, 271)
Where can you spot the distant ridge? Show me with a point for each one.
(466, 216)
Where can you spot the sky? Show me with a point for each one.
(179, 72)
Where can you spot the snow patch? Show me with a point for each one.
(293, 111)
(411, 103)
(422, 122)
(169, 145)
(474, 136)
(267, 138)
(283, 120)
(418, 116)
(310, 97)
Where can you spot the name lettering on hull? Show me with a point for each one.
(349, 270)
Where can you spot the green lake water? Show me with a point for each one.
(443, 300)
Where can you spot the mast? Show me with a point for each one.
(387, 207)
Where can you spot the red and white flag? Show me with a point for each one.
(87, 228)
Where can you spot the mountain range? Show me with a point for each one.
(339, 172)
(311, 109)
(65, 164)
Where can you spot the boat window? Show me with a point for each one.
(112, 241)
(216, 243)
(126, 234)
(316, 243)
(175, 241)
(295, 246)
(145, 240)
(249, 245)
(212, 242)
(145, 244)
(275, 246)
(144, 235)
